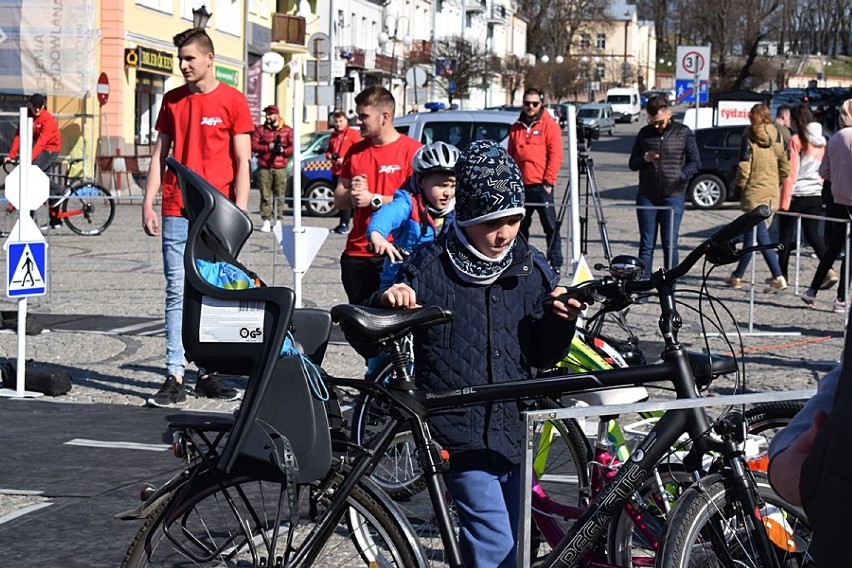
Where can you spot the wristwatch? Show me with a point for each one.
(376, 202)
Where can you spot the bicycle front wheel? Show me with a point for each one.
(709, 528)
(88, 209)
(245, 522)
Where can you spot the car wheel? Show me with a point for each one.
(707, 191)
(319, 199)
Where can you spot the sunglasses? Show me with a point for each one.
(532, 103)
(660, 122)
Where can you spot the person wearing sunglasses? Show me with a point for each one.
(535, 143)
(666, 156)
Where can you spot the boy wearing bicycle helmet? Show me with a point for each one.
(418, 212)
(496, 285)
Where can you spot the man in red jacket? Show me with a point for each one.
(339, 143)
(535, 143)
(47, 142)
(272, 141)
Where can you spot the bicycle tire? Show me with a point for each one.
(624, 547)
(91, 206)
(707, 524)
(204, 523)
(7, 218)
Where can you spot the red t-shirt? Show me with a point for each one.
(387, 167)
(339, 143)
(201, 126)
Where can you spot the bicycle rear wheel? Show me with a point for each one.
(88, 209)
(234, 524)
(709, 528)
(7, 218)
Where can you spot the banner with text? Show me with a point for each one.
(47, 47)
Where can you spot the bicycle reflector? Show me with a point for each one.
(779, 531)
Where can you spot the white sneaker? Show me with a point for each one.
(278, 224)
(266, 226)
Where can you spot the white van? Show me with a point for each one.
(625, 103)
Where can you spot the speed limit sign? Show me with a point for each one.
(692, 61)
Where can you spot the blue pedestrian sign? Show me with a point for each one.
(26, 272)
(686, 94)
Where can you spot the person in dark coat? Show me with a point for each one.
(496, 285)
(666, 156)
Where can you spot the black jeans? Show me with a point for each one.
(536, 195)
(361, 276)
(835, 240)
(810, 205)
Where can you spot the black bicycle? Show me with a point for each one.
(278, 487)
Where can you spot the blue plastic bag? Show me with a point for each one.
(224, 275)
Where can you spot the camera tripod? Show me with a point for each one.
(586, 170)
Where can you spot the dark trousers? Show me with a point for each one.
(535, 194)
(811, 205)
(361, 276)
(44, 161)
(835, 240)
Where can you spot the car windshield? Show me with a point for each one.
(618, 99)
(587, 113)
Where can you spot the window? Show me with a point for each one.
(229, 17)
(601, 41)
(585, 41)
(453, 133)
(402, 130)
(584, 70)
(159, 5)
(600, 69)
(497, 131)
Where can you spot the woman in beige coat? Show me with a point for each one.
(762, 167)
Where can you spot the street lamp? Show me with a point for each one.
(200, 17)
(823, 63)
(391, 34)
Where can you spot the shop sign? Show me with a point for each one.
(228, 76)
(154, 60)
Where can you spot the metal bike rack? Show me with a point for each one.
(534, 416)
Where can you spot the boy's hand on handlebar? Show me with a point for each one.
(382, 247)
(399, 296)
(569, 310)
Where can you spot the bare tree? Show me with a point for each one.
(463, 65)
(513, 69)
(554, 25)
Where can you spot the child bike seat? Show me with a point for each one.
(241, 332)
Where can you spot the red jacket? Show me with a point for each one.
(45, 136)
(537, 149)
(339, 143)
(263, 136)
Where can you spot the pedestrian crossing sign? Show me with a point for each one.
(26, 274)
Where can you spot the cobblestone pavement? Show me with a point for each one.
(788, 345)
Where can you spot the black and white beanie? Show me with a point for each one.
(489, 184)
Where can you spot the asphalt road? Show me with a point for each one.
(66, 466)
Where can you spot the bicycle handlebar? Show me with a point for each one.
(717, 248)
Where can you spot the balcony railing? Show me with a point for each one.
(420, 51)
(497, 14)
(475, 5)
(288, 29)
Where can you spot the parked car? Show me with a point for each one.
(625, 103)
(597, 116)
(718, 148)
(457, 127)
(317, 185)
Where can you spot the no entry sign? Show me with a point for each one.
(103, 89)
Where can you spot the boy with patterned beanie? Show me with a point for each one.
(496, 285)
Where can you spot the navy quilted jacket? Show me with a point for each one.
(497, 334)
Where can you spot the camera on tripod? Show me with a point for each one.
(585, 135)
(277, 148)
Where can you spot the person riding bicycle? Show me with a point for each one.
(419, 211)
(496, 285)
(47, 141)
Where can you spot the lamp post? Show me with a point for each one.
(391, 34)
(823, 63)
(546, 60)
(200, 17)
(625, 67)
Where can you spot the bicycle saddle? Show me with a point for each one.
(380, 323)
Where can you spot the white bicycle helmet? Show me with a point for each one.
(435, 157)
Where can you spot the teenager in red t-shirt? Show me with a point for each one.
(374, 168)
(204, 122)
(342, 138)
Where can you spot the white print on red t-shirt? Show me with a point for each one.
(389, 169)
(210, 121)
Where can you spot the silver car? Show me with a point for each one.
(457, 127)
(597, 116)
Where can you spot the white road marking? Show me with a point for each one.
(24, 511)
(119, 445)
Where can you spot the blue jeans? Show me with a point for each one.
(668, 223)
(769, 255)
(488, 505)
(174, 240)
